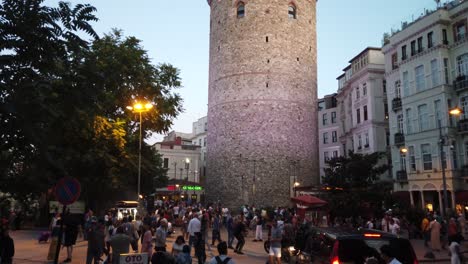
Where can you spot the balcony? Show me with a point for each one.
(463, 126)
(401, 176)
(399, 139)
(460, 84)
(396, 104)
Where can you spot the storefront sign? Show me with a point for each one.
(77, 207)
(192, 188)
(137, 258)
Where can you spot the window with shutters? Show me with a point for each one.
(419, 78)
(400, 123)
(462, 65)
(409, 124)
(406, 88)
(435, 75)
(426, 156)
(412, 159)
(423, 117)
(325, 138)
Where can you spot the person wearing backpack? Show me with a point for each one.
(222, 258)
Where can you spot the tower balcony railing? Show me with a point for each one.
(396, 104)
(461, 83)
(463, 126)
(401, 176)
(399, 139)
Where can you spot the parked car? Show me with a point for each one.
(353, 246)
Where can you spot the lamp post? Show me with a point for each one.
(454, 112)
(175, 170)
(187, 166)
(296, 184)
(140, 108)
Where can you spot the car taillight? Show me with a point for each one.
(335, 260)
(334, 256)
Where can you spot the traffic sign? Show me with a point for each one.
(67, 190)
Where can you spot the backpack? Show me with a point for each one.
(225, 261)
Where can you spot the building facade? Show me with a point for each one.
(362, 104)
(262, 100)
(180, 157)
(199, 138)
(426, 65)
(329, 130)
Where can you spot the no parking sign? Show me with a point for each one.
(134, 258)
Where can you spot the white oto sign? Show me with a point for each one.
(136, 258)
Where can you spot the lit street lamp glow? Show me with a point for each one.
(139, 108)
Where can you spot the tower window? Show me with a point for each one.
(240, 10)
(292, 11)
(266, 39)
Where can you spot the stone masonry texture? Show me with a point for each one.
(262, 105)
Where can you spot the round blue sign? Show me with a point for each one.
(67, 190)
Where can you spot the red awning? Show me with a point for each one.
(461, 197)
(309, 200)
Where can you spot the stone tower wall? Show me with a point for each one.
(262, 108)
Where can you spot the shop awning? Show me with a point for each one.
(309, 201)
(461, 197)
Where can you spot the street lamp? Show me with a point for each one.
(455, 112)
(140, 108)
(187, 166)
(296, 184)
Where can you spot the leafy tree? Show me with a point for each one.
(356, 171)
(355, 189)
(63, 98)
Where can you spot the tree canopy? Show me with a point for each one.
(63, 99)
(357, 188)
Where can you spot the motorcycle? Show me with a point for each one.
(290, 254)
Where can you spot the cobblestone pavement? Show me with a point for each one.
(29, 251)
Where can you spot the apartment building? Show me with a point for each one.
(329, 130)
(362, 104)
(426, 68)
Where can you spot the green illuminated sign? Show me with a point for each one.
(192, 188)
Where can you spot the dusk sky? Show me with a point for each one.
(177, 32)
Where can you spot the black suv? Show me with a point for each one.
(352, 246)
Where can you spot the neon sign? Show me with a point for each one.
(192, 188)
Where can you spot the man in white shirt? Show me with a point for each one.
(194, 226)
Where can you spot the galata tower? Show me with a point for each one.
(262, 101)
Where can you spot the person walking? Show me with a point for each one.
(184, 257)
(259, 228)
(230, 229)
(71, 234)
(435, 227)
(275, 238)
(455, 255)
(222, 258)
(199, 245)
(216, 233)
(194, 226)
(425, 230)
(120, 244)
(147, 245)
(7, 247)
(160, 236)
(95, 235)
(239, 233)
